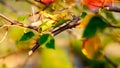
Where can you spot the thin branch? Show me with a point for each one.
(15, 22)
(113, 26)
(32, 27)
(112, 8)
(34, 48)
(71, 24)
(6, 18)
(110, 61)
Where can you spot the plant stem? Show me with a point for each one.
(6, 18)
(112, 26)
(71, 24)
(15, 22)
(34, 48)
(112, 8)
(110, 61)
(74, 22)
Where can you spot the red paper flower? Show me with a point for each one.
(96, 4)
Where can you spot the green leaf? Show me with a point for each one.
(50, 44)
(96, 23)
(43, 38)
(83, 14)
(21, 18)
(60, 23)
(47, 40)
(89, 32)
(27, 36)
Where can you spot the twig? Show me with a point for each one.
(6, 18)
(110, 61)
(34, 48)
(74, 22)
(112, 26)
(69, 25)
(112, 8)
(15, 22)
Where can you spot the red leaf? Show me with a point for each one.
(96, 4)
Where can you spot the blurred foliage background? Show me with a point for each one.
(68, 52)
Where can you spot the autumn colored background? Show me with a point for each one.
(94, 43)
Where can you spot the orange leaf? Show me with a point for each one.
(96, 4)
(91, 47)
